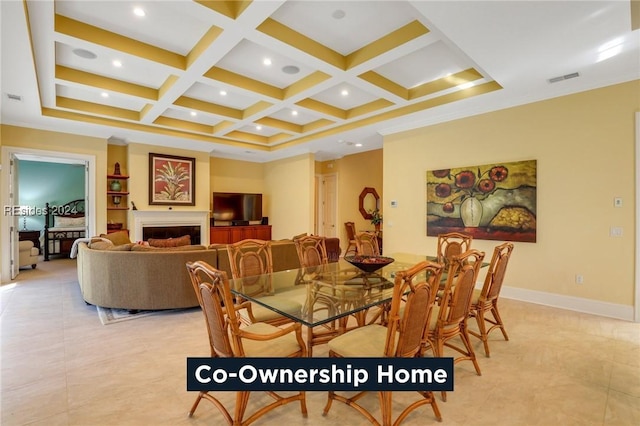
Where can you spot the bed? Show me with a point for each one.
(63, 224)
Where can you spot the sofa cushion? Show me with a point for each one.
(122, 247)
(108, 245)
(101, 245)
(185, 240)
(120, 237)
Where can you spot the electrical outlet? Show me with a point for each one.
(617, 202)
(579, 279)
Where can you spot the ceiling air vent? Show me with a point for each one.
(14, 97)
(564, 77)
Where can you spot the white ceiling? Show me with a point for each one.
(398, 60)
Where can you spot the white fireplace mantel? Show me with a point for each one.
(145, 218)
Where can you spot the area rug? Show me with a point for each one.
(112, 316)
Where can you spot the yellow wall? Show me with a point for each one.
(355, 172)
(237, 176)
(290, 186)
(138, 154)
(584, 147)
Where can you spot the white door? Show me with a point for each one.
(329, 204)
(13, 226)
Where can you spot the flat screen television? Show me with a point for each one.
(230, 206)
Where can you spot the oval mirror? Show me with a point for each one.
(368, 202)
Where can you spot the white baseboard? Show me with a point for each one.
(572, 303)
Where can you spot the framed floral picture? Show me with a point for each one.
(172, 180)
(490, 202)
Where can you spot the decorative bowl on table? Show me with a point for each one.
(369, 263)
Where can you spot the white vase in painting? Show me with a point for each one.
(471, 212)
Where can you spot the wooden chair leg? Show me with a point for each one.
(303, 404)
(472, 355)
(242, 400)
(439, 351)
(385, 407)
(195, 404)
(482, 327)
(496, 315)
(327, 406)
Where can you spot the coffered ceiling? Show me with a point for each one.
(263, 80)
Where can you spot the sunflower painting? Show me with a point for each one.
(490, 202)
(171, 180)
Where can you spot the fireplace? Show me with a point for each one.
(164, 232)
(171, 224)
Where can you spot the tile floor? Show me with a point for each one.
(61, 366)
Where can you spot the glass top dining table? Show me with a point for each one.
(327, 292)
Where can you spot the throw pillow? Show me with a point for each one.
(118, 238)
(185, 240)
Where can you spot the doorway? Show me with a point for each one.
(327, 193)
(11, 196)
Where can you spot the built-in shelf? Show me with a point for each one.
(122, 195)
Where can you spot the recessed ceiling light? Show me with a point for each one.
(223, 93)
(344, 92)
(294, 112)
(290, 69)
(138, 11)
(258, 127)
(266, 61)
(84, 53)
(193, 113)
(117, 63)
(358, 145)
(339, 14)
(104, 94)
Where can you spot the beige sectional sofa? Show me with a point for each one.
(158, 279)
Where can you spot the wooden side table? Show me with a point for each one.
(27, 235)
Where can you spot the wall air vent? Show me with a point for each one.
(564, 77)
(14, 97)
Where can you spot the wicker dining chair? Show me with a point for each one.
(452, 244)
(450, 315)
(401, 337)
(227, 339)
(252, 261)
(367, 243)
(351, 236)
(312, 251)
(486, 300)
(312, 254)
